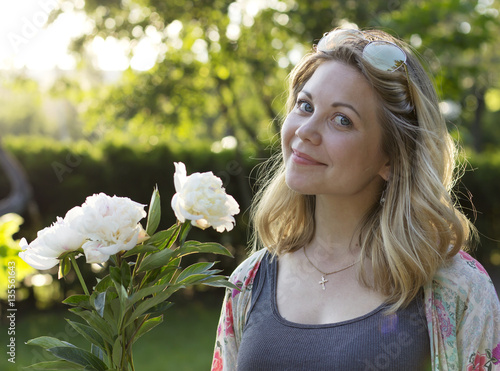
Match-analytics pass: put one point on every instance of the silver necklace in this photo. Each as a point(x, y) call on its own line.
point(323, 274)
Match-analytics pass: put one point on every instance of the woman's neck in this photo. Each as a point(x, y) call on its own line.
point(337, 226)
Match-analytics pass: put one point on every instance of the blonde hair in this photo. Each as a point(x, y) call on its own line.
point(419, 226)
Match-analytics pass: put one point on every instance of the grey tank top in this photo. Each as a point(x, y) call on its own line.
point(373, 341)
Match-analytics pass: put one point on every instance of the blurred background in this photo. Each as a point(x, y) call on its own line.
point(103, 96)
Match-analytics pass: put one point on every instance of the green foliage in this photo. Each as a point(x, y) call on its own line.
point(64, 174)
point(133, 300)
point(26, 109)
point(222, 66)
point(480, 183)
point(178, 334)
point(110, 167)
point(215, 81)
point(9, 250)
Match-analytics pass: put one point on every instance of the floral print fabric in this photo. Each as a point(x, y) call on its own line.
point(234, 312)
point(462, 310)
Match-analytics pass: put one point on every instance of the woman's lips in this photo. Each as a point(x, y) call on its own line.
point(303, 159)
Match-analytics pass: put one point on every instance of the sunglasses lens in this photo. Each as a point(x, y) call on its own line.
point(384, 55)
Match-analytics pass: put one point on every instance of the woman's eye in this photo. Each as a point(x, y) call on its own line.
point(342, 120)
point(305, 106)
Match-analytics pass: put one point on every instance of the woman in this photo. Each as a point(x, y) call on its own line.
point(363, 266)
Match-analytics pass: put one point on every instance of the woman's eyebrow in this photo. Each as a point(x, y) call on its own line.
point(335, 104)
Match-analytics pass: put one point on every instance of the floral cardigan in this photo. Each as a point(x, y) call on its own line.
point(461, 305)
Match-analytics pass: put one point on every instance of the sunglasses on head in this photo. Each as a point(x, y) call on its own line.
point(381, 54)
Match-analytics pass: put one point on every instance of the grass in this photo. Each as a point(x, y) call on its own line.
point(183, 342)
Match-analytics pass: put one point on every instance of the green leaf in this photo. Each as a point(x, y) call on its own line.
point(151, 302)
point(141, 249)
point(78, 356)
point(165, 238)
point(97, 323)
point(156, 260)
point(193, 279)
point(54, 365)
point(186, 227)
point(142, 293)
point(116, 275)
point(98, 352)
point(195, 247)
point(154, 213)
point(220, 281)
point(195, 269)
point(78, 301)
point(117, 351)
point(98, 300)
point(148, 326)
point(103, 284)
point(167, 272)
point(88, 333)
point(119, 275)
point(159, 309)
point(47, 342)
point(64, 267)
point(161, 275)
point(112, 311)
point(123, 296)
point(125, 273)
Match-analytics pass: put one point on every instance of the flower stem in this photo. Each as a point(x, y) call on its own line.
point(137, 264)
point(131, 360)
point(79, 274)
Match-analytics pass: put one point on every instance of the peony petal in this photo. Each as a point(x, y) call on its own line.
point(38, 262)
point(179, 176)
point(176, 207)
point(95, 256)
point(227, 225)
point(73, 214)
point(142, 236)
point(187, 215)
point(201, 223)
point(23, 244)
point(93, 253)
point(180, 211)
point(202, 199)
point(112, 249)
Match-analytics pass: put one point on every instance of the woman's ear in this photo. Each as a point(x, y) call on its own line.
point(385, 171)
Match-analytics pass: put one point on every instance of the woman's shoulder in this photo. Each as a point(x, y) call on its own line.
point(463, 275)
point(462, 266)
point(244, 274)
point(463, 313)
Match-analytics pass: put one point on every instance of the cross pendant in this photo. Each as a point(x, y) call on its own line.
point(323, 281)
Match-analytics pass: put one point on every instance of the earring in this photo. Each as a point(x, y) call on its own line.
point(382, 197)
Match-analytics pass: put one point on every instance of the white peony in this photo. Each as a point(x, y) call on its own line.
point(202, 199)
point(110, 225)
point(51, 242)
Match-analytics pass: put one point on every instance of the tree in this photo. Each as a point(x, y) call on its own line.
point(223, 64)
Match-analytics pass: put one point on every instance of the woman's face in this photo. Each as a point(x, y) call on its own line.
point(331, 139)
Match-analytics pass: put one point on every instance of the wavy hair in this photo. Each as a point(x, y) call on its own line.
point(419, 226)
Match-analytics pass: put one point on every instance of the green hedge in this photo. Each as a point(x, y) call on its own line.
point(63, 175)
point(481, 182)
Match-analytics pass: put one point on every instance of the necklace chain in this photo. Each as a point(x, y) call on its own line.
point(323, 274)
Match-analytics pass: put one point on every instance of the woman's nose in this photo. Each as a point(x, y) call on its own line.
point(308, 131)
